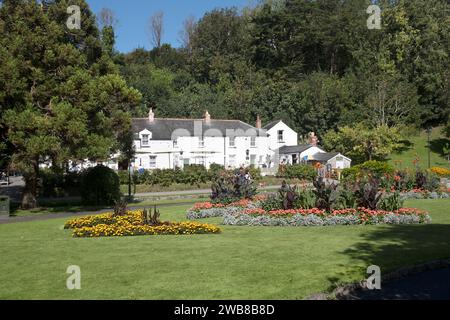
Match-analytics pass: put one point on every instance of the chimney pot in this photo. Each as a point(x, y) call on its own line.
point(258, 122)
point(313, 139)
point(151, 115)
point(207, 116)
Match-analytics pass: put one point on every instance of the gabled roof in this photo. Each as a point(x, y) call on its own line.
point(162, 128)
point(294, 149)
point(325, 156)
point(271, 124)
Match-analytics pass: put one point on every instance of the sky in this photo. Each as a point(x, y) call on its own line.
point(133, 16)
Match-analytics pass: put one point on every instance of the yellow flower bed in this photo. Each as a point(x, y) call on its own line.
point(108, 225)
point(443, 172)
point(133, 217)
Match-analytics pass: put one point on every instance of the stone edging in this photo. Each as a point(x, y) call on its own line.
point(345, 292)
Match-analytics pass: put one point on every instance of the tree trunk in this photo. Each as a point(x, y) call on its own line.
point(29, 198)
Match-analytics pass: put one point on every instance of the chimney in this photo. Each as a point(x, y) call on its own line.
point(313, 139)
point(258, 122)
point(207, 116)
point(151, 115)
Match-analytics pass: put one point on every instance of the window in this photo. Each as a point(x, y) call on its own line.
point(201, 142)
point(253, 142)
point(175, 143)
point(185, 162)
point(152, 164)
point(232, 142)
point(145, 140)
point(253, 159)
point(280, 136)
point(232, 160)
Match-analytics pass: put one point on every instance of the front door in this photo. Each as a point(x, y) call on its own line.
point(294, 159)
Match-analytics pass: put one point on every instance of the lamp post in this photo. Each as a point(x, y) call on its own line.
point(429, 147)
point(129, 181)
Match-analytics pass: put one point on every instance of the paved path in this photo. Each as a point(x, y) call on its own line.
point(428, 285)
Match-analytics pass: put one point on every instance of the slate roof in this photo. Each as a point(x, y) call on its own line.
point(294, 149)
point(325, 156)
point(162, 128)
point(271, 125)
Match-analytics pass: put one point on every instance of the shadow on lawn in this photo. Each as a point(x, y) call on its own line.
point(392, 247)
point(437, 145)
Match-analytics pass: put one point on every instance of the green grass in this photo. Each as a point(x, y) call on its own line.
point(240, 263)
point(52, 208)
point(419, 148)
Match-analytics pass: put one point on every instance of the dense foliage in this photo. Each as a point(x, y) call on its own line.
point(100, 186)
point(65, 95)
point(61, 97)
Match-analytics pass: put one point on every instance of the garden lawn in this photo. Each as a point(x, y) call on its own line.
point(419, 147)
point(241, 263)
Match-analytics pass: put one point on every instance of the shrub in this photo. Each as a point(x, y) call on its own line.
point(195, 174)
point(229, 187)
point(100, 186)
point(123, 176)
point(255, 173)
point(272, 203)
point(59, 184)
point(298, 171)
point(374, 168)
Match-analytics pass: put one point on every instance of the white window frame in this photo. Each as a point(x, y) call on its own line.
point(280, 136)
point(143, 143)
point(253, 142)
point(232, 142)
point(232, 160)
point(201, 142)
point(152, 164)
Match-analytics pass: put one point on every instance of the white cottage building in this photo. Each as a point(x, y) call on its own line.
point(163, 143)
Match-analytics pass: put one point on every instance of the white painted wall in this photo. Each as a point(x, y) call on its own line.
point(290, 136)
point(215, 150)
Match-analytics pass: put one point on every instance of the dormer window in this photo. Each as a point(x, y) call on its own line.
point(145, 136)
point(145, 140)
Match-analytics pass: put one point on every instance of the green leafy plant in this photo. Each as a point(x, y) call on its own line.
point(272, 202)
point(288, 195)
point(306, 199)
point(152, 219)
point(326, 195)
point(120, 208)
point(369, 194)
point(390, 201)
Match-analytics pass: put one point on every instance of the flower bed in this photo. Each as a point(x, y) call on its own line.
point(132, 224)
point(316, 217)
point(203, 210)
